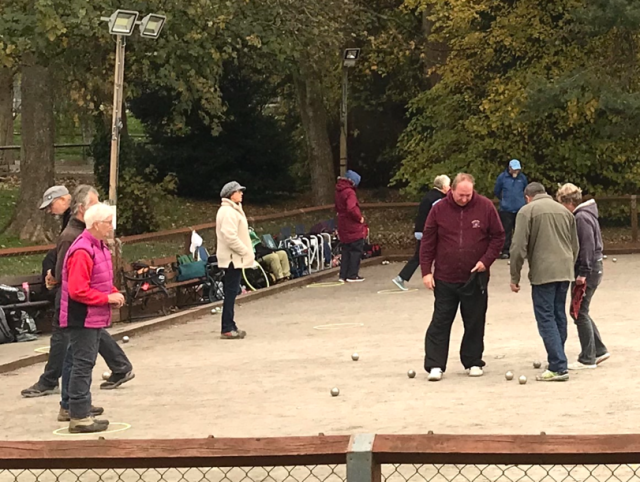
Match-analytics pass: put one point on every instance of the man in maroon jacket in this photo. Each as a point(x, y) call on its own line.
point(462, 238)
point(352, 230)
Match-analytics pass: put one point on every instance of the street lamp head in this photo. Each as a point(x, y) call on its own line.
point(151, 25)
point(350, 57)
point(122, 22)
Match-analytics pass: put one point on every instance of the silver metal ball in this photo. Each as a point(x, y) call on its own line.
point(522, 380)
point(106, 375)
point(509, 375)
point(125, 339)
point(614, 260)
point(355, 357)
point(537, 364)
point(604, 257)
point(411, 374)
point(335, 392)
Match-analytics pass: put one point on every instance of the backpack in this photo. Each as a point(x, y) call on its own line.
point(10, 295)
point(6, 335)
point(189, 269)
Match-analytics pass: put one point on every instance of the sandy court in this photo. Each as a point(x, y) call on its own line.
point(277, 381)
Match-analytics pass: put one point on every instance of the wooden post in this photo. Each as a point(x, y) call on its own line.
point(634, 218)
point(361, 465)
point(187, 243)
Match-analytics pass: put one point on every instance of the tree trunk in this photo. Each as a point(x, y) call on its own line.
point(314, 121)
point(6, 117)
point(37, 164)
point(435, 52)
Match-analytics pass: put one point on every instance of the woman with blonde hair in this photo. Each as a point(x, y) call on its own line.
point(588, 275)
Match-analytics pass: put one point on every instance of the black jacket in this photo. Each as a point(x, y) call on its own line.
point(425, 206)
point(589, 236)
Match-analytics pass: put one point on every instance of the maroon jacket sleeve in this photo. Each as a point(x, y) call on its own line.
point(352, 206)
point(496, 234)
point(79, 268)
point(429, 243)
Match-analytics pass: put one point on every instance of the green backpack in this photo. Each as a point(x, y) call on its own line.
point(189, 269)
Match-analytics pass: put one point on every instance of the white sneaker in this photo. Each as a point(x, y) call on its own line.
point(475, 371)
point(581, 366)
point(435, 375)
point(399, 282)
point(602, 358)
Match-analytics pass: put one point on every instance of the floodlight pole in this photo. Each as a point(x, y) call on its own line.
point(343, 121)
point(116, 124)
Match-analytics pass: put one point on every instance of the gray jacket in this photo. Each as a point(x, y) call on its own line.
point(546, 236)
point(590, 237)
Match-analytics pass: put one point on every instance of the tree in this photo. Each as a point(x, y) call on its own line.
point(6, 116)
point(551, 83)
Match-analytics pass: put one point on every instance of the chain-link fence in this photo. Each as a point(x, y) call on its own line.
point(510, 473)
point(312, 473)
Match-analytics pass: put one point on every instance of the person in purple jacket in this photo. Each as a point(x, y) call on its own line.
point(86, 299)
point(462, 238)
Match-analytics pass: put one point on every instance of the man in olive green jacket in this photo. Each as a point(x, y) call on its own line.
point(546, 236)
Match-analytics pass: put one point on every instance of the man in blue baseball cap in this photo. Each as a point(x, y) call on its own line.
point(509, 190)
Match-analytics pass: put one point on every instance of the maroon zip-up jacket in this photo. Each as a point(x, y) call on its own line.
point(455, 238)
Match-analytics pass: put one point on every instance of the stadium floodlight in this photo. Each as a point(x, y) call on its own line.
point(151, 25)
point(122, 22)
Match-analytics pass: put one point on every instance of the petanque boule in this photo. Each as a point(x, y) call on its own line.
point(615, 260)
point(106, 375)
point(335, 392)
point(522, 380)
point(509, 375)
point(537, 364)
point(125, 339)
point(411, 374)
point(604, 257)
point(355, 357)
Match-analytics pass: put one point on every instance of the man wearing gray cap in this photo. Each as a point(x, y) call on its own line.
point(57, 201)
point(234, 252)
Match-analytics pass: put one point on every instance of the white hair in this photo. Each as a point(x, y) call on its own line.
point(96, 213)
point(442, 181)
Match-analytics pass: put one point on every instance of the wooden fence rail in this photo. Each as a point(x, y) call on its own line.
point(318, 450)
point(186, 231)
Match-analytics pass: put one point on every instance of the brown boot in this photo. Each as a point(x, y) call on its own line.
point(63, 415)
point(87, 425)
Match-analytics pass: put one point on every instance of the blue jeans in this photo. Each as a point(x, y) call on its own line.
point(549, 306)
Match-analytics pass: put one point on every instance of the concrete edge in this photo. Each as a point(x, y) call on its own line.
point(125, 329)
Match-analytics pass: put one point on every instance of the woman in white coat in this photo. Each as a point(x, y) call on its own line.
point(234, 252)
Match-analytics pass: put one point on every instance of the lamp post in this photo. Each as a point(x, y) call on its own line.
point(348, 60)
point(122, 24)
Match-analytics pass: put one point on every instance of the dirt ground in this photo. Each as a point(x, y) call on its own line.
point(277, 381)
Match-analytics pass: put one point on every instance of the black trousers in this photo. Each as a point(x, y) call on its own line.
point(412, 265)
point(350, 259)
point(232, 279)
point(473, 308)
point(509, 224)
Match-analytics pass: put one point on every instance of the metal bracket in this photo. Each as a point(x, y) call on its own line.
point(360, 464)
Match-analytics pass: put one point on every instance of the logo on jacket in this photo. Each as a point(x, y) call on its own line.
point(475, 224)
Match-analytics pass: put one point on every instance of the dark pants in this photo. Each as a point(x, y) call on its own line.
point(57, 350)
point(232, 279)
point(473, 308)
point(549, 306)
point(590, 340)
point(85, 343)
point(113, 355)
point(350, 259)
point(412, 265)
point(509, 224)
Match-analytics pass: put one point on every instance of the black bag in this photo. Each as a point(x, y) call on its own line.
point(10, 295)
point(6, 335)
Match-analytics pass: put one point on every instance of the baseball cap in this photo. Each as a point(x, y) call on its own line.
point(229, 188)
point(52, 194)
point(515, 165)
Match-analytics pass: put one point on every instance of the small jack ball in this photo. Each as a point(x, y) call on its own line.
point(537, 364)
point(125, 339)
point(522, 380)
point(411, 374)
point(106, 375)
point(509, 375)
point(335, 392)
point(355, 357)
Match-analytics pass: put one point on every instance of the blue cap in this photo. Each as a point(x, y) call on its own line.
point(354, 177)
point(515, 165)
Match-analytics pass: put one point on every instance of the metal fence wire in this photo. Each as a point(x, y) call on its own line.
point(510, 473)
point(313, 473)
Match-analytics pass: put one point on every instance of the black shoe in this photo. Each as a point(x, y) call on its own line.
point(504, 256)
point(117, 379)
point(63, 415)
point(37, 390)
point(357, 279)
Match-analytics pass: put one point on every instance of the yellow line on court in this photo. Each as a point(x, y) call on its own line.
point(325, 285)
point(395, 292)
point(65, 431)
point(42, 349)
